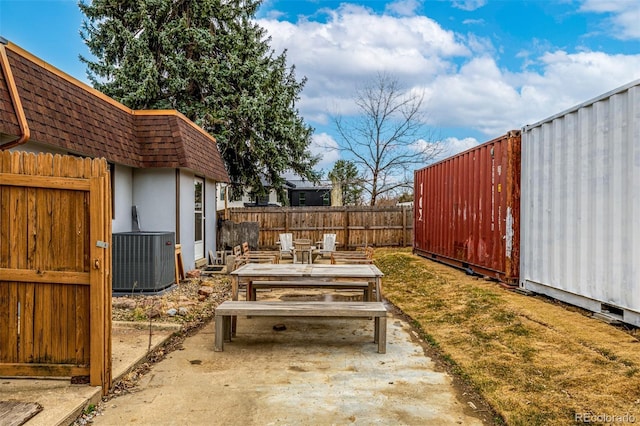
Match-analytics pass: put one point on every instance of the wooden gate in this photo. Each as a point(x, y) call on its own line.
point(55, 267)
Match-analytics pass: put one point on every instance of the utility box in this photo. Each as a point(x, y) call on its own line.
point(143, 262)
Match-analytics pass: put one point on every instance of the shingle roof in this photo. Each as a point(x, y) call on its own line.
point(303, 184)
point(66, 113)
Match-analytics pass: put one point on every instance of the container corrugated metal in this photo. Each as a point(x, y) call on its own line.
point(580, 222)
point(466, 212)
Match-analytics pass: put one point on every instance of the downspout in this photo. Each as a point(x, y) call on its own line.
point(15, 98)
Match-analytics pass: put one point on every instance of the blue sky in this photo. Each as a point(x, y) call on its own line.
point(485, 66)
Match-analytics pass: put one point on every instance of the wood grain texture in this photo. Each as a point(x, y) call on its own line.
point(54, 279)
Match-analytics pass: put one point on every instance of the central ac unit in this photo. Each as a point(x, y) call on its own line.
point(143, 262)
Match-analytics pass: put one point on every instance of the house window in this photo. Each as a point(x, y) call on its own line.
point(301, 200)
point(223, 189)
point(326, 199)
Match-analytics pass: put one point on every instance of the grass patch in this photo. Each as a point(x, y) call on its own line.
point(534, 361)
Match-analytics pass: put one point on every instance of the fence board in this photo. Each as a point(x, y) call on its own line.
point(354, 226)
point(53, 211)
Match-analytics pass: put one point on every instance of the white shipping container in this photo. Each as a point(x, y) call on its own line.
point(580, 205)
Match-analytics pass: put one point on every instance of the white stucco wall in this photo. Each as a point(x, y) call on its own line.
point(122, 199)
point(155, 195)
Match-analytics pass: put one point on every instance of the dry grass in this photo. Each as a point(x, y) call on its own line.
point(536, 362)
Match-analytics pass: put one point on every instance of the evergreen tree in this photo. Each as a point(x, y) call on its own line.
point(209, 60)
point(346, 174)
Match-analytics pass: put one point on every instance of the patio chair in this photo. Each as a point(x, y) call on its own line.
point(286, 244)
point(327, 245)
point(238, 259)
point(216, 263)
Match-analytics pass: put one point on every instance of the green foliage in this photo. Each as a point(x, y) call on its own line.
point(405, 197)
point(346, 174)
point(209, 60)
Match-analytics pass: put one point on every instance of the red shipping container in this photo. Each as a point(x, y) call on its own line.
point(467, 209)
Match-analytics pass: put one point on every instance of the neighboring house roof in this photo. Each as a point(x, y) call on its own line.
point(305, 185)
point(267, 183)
point(65, 113)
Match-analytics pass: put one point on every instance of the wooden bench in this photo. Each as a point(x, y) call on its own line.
point(351, 257)
point(228, 309)
point(256, 257)
point(351, 260)
point(365, 286)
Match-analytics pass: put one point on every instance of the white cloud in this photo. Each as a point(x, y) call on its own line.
point(473, 22)
point(326, 147)
point(484, 97)
point(570, 79)
point(469, 5)
point(624, 22)
point(464, 85)
point(403, 7)
point(453, 146)
point(477, 96)
point(355, 43)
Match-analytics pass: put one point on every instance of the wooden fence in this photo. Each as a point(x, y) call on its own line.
point(354, 226)
point(55, 263)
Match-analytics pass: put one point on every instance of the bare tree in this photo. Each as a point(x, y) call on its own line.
point(389, 139)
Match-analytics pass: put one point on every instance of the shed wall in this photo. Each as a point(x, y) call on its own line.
point(581, 204)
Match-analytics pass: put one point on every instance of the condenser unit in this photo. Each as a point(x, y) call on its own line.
point(143, 262)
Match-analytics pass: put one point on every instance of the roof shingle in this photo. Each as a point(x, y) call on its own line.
point(66, 113)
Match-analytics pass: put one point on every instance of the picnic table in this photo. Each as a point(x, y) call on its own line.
point(280, 275)
point(311, 273)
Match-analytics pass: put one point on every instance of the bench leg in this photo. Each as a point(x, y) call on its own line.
point(380, 336)
point(227, 328)
point(220, 333)
point(370, 297)
point(233, 325)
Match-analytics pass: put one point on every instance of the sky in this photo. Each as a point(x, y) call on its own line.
point(484, 66)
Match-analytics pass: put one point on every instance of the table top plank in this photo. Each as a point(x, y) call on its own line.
point(306, 270)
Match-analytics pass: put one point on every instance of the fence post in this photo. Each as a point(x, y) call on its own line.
point(287, 218)
point(347, 237)
point(404, 227)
